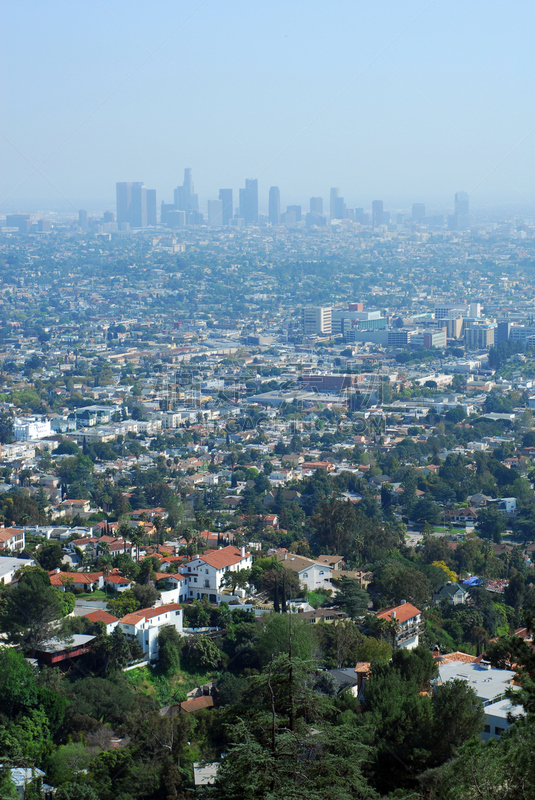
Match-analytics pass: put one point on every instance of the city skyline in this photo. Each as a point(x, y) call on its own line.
point(408, 106)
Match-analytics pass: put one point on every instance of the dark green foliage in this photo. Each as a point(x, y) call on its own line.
point(31, 607)
point(50, 556)
point(351, 598)
point(169, 647)
point(102, 699)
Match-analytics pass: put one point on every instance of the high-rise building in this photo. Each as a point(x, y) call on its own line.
point(152, 218)
point(462, 211)
point(339, 208)
point(215, 212)
point(335, 193)
point(82, 219)
point(225, 195)
point(377, 213)
point(185, 197)
point(124, 200)
point(316, 320)
point(479, 337)
point(138, 206)
point(316, 205)
point(108, 216)
point(274, 205)
point(418, 212)
point(249, 202)
point(132, 204)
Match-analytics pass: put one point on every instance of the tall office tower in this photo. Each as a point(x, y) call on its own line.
point(274, 205)
point(124, 200)
point(316, 319)
point(316, 205)
point(225, 195)
point(138, 206)
point(108, 216)
point(165, 210)
point(418, 212)
point(377, 213)
point(151, 207)
point(339, 211)
point(82, 219)
point(462, 211)
point(215, 212)
point(185, 197)
point(249, 202)
point(335, 194)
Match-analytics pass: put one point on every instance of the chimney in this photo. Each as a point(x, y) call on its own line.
point(393, 614)
point(285, 556)
point(243, 552)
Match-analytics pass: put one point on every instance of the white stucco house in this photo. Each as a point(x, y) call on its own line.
point(206, 572)
point(145, 625)
point(312, 574)
point(490, 685)
point(408, 619)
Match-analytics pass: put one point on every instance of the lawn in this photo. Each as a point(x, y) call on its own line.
point(98, 594)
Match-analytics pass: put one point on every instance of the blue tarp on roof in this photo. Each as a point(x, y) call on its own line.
point(473, 581)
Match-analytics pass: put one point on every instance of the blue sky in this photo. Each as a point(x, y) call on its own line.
point(404, 101)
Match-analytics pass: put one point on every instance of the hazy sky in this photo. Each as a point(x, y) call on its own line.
point(403, 101)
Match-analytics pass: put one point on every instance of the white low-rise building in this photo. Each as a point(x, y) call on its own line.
point(26, 428)
point(312, 574)
point(206, 572)
point(145, 625)
point(490, 685)
point(405, 621)
point(9, 566)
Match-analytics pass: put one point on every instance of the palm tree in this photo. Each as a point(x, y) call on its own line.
point(137, 539)
point(391, 627)
point(158, 524)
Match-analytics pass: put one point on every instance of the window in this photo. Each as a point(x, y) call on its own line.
point(498, 731)
point(305, 575)
point(195, 579)
point(486, 729)
point(206, 571)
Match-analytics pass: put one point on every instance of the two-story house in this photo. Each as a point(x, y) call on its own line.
point(145, 625)
point(206, 572)
point(312, 574)
point(12, 539)
point(453, 593)
point(405, 622)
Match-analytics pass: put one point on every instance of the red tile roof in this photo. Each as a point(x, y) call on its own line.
point(198, 703)
point(101, 616)
point(402, 613)
point(148, 613)
point(225, 557)
point(8, 533)
point(163, 576)
point(118, 579)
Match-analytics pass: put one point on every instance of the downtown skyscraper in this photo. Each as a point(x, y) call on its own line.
point(249, 202)
point(274, 205)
